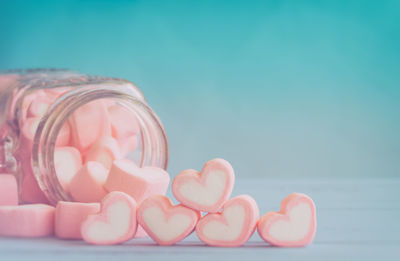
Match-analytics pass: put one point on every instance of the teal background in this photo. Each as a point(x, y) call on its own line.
point(281, 89)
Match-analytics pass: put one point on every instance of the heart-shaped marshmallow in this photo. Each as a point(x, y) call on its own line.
point(116, 222)
point(164, 223)
point(294, 225)
point(89, 123)
point(27, 100)
point(67, 162)
point(139, 183)
point(205, 191)
point(104, 151)
point(128, 144)
point(233, 226)
point(87, 184)
point(123, 122)
point(64, 134)
point(124, 127)
point(39, 106)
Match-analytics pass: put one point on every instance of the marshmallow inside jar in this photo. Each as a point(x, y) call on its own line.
point(89, 128)
point(101, 132)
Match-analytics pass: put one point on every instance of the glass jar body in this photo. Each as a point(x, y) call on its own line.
point(39, 105)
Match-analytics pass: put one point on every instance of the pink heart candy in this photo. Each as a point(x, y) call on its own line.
point(87, 183)
point(116, 222)
point(67, 162)
point(139, 183)
point(123, 122)
point(64, 135)
point(205, 191)
point(233, 226)
point(128, 144)
point(294, 225)
point(165, 223)
point(27, 101)
point(124, 127)
point(104, 151)
point(88, 124)
point(39, 106)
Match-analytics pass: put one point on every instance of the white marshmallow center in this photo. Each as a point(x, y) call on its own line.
point(206, 195)
point(164, 229)
point(235, 216)
point(295, 229)
point(42, 108)
point(119, 217)
point(66, 165)
point(105, 158)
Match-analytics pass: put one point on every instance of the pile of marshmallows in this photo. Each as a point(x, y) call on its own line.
point(93, 137)
point(229, 222)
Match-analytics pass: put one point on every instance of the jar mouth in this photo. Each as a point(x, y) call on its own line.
point(154, 144)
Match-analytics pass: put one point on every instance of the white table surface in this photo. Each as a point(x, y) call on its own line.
point(357, 220)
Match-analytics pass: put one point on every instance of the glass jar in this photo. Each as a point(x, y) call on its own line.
point(31, 131)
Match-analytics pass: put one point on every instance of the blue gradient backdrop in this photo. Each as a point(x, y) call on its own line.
point(279, 88)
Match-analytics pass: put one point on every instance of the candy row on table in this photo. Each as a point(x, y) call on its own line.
point(100, 131)
point(229, 222)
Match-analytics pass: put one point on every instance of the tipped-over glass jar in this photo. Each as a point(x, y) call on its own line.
point(46, 114)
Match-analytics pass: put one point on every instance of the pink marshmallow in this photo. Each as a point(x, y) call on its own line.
point(64, 134)
point(70, 216)
point(67, 162)
point(139, 183)
point(128, 144)
point(231, 227)
point(165, 223)
point(293, 226)
point(123, 122)
point(28, 100)
point(125, 127)
point(39, 106)
point(29, 128)
point(104, 151)
point(116, 222)
point(89, 123)
point(8, 190)
point(36, 220)
point(87, 184)
point(205, 191)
